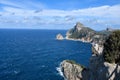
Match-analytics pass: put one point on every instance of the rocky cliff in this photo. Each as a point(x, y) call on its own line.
point(71, 70)
point(85, 34)
point(104, 63)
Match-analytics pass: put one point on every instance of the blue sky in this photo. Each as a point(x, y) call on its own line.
point(59, 14)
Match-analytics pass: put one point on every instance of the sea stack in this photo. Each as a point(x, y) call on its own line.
point(59, 37)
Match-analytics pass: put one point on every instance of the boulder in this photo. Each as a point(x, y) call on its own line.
point(59, 37)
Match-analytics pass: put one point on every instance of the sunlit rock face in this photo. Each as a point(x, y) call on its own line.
point(59, 37)
point(79, 26)
point(73, 71)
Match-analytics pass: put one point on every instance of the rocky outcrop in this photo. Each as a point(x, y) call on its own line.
point(59, 37)
point(85, 34)
point(97, 48)
point(99, 68)
point(96, 70)
point(72, 70)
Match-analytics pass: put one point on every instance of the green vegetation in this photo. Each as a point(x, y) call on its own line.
point(80, 34)
point(112, 48)
point(73, 62)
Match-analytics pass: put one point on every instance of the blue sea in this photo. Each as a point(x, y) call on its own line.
point(35, 54)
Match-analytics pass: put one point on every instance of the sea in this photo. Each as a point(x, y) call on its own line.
point(36, 54)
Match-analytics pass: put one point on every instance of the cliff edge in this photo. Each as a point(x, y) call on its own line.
point(71, 70)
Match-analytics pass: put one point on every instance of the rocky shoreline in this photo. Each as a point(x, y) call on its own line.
point(59, 37)
point(99, 69)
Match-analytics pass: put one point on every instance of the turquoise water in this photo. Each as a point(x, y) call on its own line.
point(35, 54)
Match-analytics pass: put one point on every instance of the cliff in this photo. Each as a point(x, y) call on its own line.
point(104, 62)
point(71, 70)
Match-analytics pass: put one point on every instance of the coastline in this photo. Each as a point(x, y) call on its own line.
point(59, 69)
point(77, 40)
point(73, 39)
point(99, 68)
point(98, 48)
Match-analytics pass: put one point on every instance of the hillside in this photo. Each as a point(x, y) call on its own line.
point(86, 34)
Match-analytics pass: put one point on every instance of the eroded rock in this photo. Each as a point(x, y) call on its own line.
point(59, 37)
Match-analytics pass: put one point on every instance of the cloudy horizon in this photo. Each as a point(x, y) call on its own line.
point(39, 14)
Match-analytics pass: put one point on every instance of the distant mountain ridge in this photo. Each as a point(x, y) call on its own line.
point(86, 34)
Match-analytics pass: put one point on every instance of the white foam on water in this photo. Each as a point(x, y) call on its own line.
point(16, 72)
point(59, 71)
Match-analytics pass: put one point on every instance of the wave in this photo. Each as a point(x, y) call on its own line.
point(59, 71)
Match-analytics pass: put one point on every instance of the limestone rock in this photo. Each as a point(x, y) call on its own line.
point(79, 26)
point(73, 71)
point(59, 37)
point(97, 49)
point(97, 70)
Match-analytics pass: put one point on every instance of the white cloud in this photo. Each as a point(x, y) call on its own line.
point(53, 16)
point(5, 2)
point(24, 5)
point(103, 11)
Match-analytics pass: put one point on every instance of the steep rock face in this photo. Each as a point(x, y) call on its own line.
point(78, 26)
point(80, 32)
point(100, 70)
point(97, 48)
point(59, 37)
point(105, 66)
point(72, 70)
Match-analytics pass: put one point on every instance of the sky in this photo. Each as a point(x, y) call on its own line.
point(59, 14)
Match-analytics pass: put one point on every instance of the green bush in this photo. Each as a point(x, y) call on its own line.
point(111, 52)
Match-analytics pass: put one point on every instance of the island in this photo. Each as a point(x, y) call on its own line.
point(59, 37)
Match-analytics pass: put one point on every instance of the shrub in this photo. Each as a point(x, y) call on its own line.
point(111, 52)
